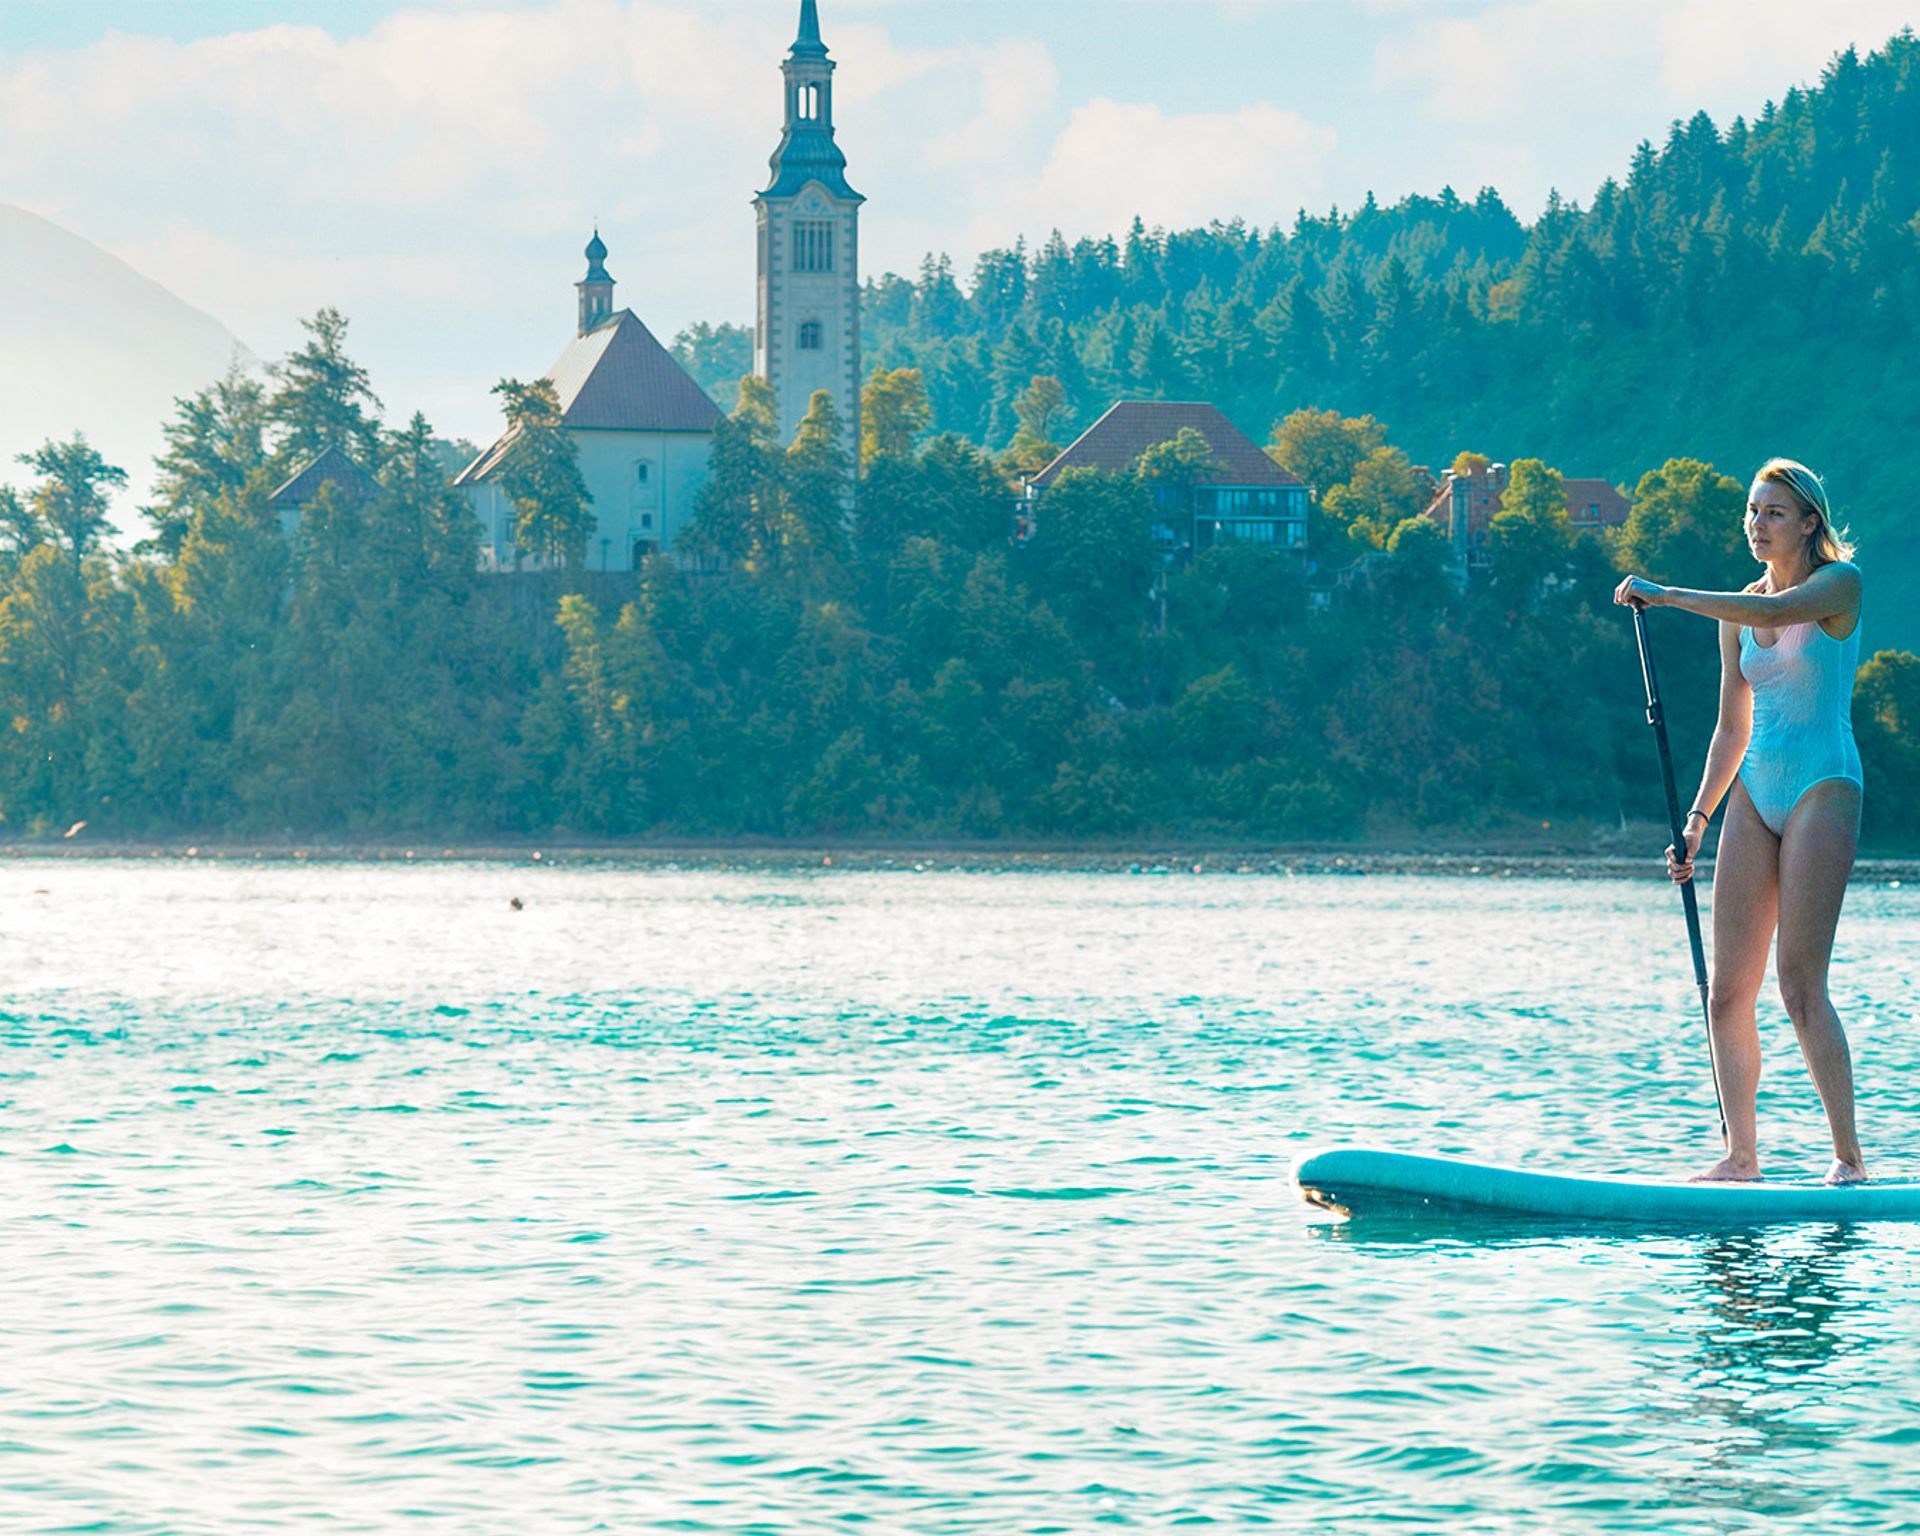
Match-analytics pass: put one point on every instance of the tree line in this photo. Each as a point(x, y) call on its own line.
point(1734, 294)
point(850, 641)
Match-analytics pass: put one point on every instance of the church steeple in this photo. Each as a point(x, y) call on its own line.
point(806, 334)
point(806, 151)
point(808, 41)
point(596, 288)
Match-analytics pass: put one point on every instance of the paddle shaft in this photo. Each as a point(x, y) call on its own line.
point(1657, 718)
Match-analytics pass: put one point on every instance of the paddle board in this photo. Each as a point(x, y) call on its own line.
point(1367, 1180)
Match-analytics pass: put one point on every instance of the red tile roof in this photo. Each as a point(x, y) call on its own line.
point(1115, 442)
point(617, 378)
point(1486, 487)
point(1593, 503)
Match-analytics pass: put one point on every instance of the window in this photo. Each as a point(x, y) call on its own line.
point(646, 519)
point(812, 245)
point(809, 335)
point(809, 102)
point(643, 472)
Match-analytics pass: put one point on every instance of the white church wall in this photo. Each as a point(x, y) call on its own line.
point(628, 511)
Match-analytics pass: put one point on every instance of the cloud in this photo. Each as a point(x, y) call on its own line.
point(1510, 61)
point(436, 175)
point(1114, 160)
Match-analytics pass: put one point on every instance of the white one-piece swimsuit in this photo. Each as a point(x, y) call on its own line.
point(1802, 716)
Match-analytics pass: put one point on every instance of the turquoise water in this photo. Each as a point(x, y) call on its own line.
point(350, 1198)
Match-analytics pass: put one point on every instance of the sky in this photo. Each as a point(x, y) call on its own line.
point(433, 167)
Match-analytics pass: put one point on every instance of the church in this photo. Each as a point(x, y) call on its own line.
point(641, 426)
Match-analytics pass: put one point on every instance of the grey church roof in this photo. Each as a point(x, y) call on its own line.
point(328, 467)
point(617, 378)
point(1115, 442)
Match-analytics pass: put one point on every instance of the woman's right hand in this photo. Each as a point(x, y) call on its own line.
point(1680, 870)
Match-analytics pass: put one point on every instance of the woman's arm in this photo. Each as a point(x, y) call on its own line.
point(1731, 733)
point(1831, 591)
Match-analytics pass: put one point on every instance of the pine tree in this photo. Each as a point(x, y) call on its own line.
point(323, 400)
point(540, 476)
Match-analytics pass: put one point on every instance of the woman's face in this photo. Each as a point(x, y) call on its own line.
point(1778, 527)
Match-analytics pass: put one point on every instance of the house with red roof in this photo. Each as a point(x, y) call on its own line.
point(641, 426)
point(1242, 495)
point(1465, 504)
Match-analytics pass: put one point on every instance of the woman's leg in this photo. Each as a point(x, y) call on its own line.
point(1745, 892)
point(1816, 856)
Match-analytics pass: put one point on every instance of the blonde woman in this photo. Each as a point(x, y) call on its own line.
point(1783, 746)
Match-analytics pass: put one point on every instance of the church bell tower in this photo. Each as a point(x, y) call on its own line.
point(807, 313)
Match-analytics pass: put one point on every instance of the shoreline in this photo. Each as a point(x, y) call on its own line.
point(1170, 857)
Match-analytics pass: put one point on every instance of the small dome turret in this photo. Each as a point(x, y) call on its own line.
point(596, 288)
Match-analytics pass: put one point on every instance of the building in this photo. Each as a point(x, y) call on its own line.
point(331, 471)
point(641, 427)
point(1465, 505)
point(806, 333)
point(1244, 495)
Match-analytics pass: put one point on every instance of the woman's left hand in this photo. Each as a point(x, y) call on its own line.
point(1637, 589)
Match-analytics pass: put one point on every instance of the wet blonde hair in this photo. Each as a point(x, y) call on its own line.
point(1828, 543)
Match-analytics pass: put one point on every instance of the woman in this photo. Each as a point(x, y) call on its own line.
point(1789, 645)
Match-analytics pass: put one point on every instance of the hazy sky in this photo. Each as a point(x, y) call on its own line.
point(434, 167)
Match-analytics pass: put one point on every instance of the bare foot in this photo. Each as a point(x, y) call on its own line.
point(1729, 1170)
point(1844, 1172)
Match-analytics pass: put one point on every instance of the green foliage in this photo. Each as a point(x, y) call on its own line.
point(894, 414)
point(70, 504)
point(1886, 720)
point(1324, 448)
point(1529, 537)
point(1380, 494)
point(1687, 528)
point(323, 399)
point(540, 476)
point(1596, 336)
point(876, 656)
point(716, 355)
point(1039, 408)
point(214, 444)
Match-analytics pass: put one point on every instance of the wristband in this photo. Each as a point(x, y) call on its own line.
point(1696, 811)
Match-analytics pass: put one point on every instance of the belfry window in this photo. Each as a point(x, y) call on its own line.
point(812, 245)
point(809, 340)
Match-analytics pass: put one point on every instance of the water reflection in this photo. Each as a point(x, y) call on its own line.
point(1739, 1402)
point(1752, 1400)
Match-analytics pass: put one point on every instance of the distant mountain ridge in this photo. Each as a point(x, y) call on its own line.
point(89, 344)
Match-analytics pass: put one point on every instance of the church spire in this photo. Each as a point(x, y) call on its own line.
point(596, 288)
point(806, 151)
point(808, 42)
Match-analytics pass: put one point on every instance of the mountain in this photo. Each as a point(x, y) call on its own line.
point(90, 345)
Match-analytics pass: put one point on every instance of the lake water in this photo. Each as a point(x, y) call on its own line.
point(772, 1200)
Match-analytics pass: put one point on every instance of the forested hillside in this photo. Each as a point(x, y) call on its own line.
point(916, 670)
point(1735, 293)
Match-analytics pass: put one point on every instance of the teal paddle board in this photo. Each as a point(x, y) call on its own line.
point(1360, 1181)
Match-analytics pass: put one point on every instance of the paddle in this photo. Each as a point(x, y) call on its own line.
point(1656, 717)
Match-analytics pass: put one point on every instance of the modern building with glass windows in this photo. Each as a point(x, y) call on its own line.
point(1243, 494)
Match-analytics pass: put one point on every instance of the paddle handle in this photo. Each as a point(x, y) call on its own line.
point(1657, 718)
